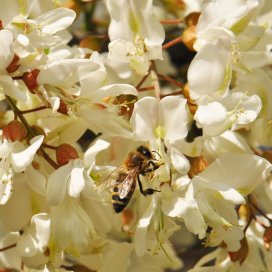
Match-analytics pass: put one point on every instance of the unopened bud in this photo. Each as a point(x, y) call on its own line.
point(191, 104)
point(65, 153)
point(198, 165)
point(63, 108)
point(13, 66)
point(240, 255)
point(189, 37)
point(192, 19)
point(91, 43)
point(30, 79)
point(14, 131)
point(267, 238)
point(244, 212)
point(1, 25)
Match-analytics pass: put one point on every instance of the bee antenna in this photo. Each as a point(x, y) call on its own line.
point(156, 153)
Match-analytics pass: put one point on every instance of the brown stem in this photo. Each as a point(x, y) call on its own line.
point(33, 110)
point(49, 160)
point(171, 43)
point(174, 93)
point(171, 80)
point(49, 146)
point(259, 210)
point(18, 113)
point(8, 247)
point(146, 88)
point(171, 21)
point(143, 80)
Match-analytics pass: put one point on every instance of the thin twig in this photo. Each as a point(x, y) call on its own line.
point(171, 43)
point(8, 247)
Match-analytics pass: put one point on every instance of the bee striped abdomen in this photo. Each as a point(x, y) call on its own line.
point(120, 203)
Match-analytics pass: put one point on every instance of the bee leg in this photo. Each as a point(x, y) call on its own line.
point(148, 169)
point(148, 191)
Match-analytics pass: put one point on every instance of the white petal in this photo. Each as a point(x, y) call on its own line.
point(35, 180)
point(6, 188)
point(56, 20)
point(174, 118)
point(57, 185)
point(26, 245)
point(13, 8)
point(212, 118)
point(42, 222)
point(114, 90)
point(76, 182)
point(142, 228)
point(145, 118)
point(62, 73)
point(254, 170)
point(210, 72)
point(90, 154)
point(179, 161)
point(22, 159)
point(10, 88)
point(6, 48)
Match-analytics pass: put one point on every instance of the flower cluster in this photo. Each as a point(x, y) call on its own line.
point(115, 155)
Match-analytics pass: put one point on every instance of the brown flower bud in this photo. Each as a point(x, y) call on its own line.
point(63, 107)
point(65, 153)
point(267, 238)
point(192, 19)
point(198, 165)
point(240, 255)
point(1, 25)
point(14, 131)
point(30, 79)
point(13, 66)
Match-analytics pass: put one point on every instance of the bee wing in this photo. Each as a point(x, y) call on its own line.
point(110, 180)
point(124, 187)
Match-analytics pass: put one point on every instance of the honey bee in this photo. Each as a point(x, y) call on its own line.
point(124, 178)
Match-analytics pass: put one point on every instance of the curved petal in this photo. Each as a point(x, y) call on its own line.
point(173, 116)
point(76, 182)
point(22, 159)
point(210, 70)
point(145, 118)
point(56, 20)
point(89, 156)
point(57, 185)
point(6, 48)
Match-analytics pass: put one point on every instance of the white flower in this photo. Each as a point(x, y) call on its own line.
point(233, 111)
point(136, 35)
point(15, 158)
point(69, 180)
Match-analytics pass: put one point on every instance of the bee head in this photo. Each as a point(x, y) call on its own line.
point(145, 151)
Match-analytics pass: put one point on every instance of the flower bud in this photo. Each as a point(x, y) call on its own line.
point(14, 131)
point(267, 238)
point(13, 66)
point(198, 165)
point(30, 79)
point(1, 25)
point(241, 254)
point(63, 107)
point(65, 153)
point(192, 19)
point(189, 37)
point(91, 43)
point(191, 104)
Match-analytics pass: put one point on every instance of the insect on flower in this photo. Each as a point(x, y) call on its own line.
point(123, 178)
